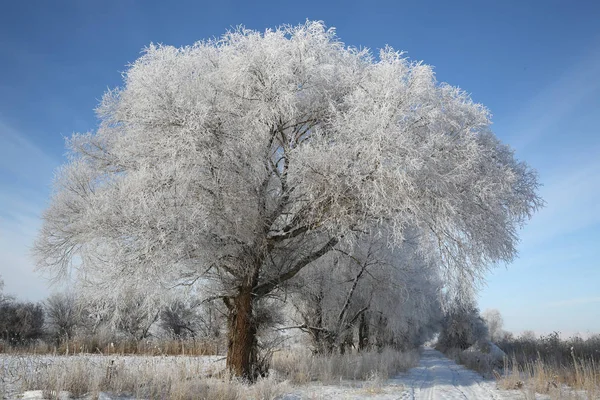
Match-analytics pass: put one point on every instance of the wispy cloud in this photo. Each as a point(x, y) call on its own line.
point(22, 161)
point(575, 302)
point(558, 100)
point(25, 175)
point(16, 265)
point(571, 204)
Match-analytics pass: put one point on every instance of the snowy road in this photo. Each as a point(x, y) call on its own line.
point(438, 377)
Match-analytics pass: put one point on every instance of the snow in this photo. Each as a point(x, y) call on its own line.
point(488, 348)
point(436, 377)
point(15, 368)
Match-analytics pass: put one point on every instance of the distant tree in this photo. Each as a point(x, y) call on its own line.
point(21, 322)
point(462, 327)
point(243, 160)
point(179, 320)
point(133, 317)
point(528, 336)
point(493, 320)
point(63, 314)
point(388, 296)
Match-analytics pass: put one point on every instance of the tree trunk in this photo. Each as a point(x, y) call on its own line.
point(347, 342)
point(363, 333)
point(322, 339)
point(381, 335)
point(242, 341)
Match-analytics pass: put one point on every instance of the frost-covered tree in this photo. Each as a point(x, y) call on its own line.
point(63, 314)
point(20, 322)
point(133, 316)
point(406, 309)
point(462, 327)
point(128, 314)
point(494, 321)
point(235, 163)
point(183, 318)
point(179, 320)
point(386, 295)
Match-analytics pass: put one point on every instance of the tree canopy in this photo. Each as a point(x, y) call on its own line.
point(234, 163)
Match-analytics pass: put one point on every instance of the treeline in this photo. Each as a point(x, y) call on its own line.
point(551, 349)
point(64, 323)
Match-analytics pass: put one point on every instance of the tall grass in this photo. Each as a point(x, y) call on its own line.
point(483, 363)
point(563, 369)
point(136, 377)
point(86, 376)
point(579, 380)
point(302, 366)
point(551, 349)
point(110, 346)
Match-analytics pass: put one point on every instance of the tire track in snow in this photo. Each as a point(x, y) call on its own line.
point(439, 378)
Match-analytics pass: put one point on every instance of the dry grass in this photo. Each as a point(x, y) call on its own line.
point(561, 368)
point(485, 364)
point(301, 366)
point(136, 377)
point(108, 346)
point(579, 380)
point(165, 377)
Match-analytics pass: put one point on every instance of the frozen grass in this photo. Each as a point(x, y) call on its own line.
point(561, 368)
point(110, 346)
point(579, 380)
point(483, 363)
point(301, 366)
point(87, 376)
point(129, 377)
point(552, 349)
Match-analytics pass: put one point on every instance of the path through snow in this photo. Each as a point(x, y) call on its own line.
point(438, 377)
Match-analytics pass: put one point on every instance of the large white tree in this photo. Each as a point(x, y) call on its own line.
point(240, 161)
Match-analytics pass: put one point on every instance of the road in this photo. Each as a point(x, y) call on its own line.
point(438, 377)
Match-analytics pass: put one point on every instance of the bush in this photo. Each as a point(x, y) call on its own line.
point(546, 363)
point(462, 327)
point(20, 323)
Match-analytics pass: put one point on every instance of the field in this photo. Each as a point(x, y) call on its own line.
point(546, 366)
point(186, 377)
point(294, 375)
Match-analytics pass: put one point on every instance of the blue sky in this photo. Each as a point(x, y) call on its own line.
point(535, 64)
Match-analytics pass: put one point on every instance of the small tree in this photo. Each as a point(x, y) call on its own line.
point(2, 296)
point(134, 318)
point(493, 320)
point(240, 161)
point(62, 315)
point(21, 322)
point(389, 296)
point(179, 320)
point(462, 327)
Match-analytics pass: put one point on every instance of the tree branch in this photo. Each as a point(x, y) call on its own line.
point(290, 234)
point(265, 288)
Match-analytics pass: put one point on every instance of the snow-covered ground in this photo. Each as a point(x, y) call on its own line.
point(436, 377)
point(17, 372)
